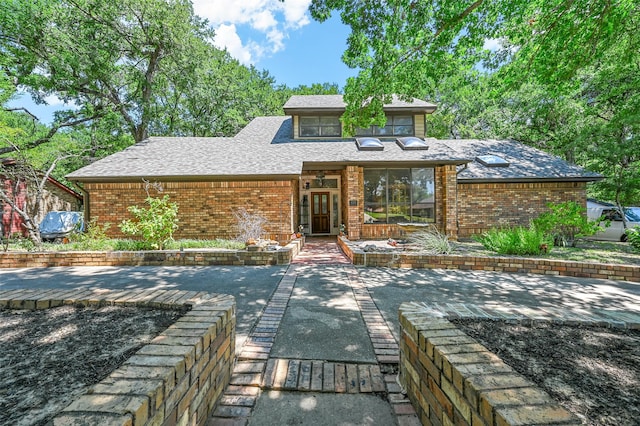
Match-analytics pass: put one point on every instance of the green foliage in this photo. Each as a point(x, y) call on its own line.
point(564, 223)
point(518, 241)
point(154, 224)
point(94, 238)
point(633, 236)
point(431, 241)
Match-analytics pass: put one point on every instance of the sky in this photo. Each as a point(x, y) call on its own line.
point(280, 37)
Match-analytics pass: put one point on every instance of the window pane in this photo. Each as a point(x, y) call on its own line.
point(402, 120)
point(330, 131)
point(375, 196)
point(399, 187)
point(309, 131)
point(423, 195)
point(329, 121)
point(403, 130)
point(309, 121)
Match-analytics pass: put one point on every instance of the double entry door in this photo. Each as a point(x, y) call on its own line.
point(320, 213)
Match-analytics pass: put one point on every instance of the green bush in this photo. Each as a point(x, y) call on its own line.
point(93, 238)
point(154, 224)
point(519, 241)
point(565, 223)
point(633, 236)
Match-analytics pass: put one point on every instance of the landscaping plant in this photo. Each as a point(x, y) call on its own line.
point(516, 241)
point(154, 224)
point(431, 241)
point(565, 223)
point(250, 226)
point(633, 236)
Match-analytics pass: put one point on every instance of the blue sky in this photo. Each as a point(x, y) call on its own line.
point(280, 37)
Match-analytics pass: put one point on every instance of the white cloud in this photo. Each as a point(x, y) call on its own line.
point(492, 44)
point(269, 21)
point(227, 38)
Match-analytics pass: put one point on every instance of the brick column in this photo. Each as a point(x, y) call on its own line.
point(353, 201)
point(449, 201)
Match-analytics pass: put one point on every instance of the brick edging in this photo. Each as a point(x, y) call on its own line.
point(178, 377)
point(189, 257)
point(451, 378)
point(496, 264)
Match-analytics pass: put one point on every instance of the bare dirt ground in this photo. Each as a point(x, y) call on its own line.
point(50, 357)
point(593, 372)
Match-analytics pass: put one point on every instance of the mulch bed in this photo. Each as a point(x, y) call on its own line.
point(593, 372)
point(50, 357)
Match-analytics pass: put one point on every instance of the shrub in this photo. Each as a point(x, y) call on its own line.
point(431, 241)
point(93, 238)
point(633, 236)
point(250, 226)
point(154, 224)
point(565, 223)
point(518, 241)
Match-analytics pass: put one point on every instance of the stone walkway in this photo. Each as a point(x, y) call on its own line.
point(257, 371)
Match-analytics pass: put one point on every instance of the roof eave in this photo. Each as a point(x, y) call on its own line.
point(532, 179)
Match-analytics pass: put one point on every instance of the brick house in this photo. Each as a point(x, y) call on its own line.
point(55, 197)
point(299, 170)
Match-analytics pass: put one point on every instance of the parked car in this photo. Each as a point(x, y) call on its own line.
point(58, 225)
point(610, 214)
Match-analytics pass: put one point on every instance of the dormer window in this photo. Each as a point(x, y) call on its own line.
point(397, 125)
point(320, 126)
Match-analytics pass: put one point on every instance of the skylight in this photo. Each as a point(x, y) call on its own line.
point(412, 143)
point(369, 144)
point(492, 161)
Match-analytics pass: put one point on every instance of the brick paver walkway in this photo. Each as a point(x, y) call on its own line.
point(256, 371)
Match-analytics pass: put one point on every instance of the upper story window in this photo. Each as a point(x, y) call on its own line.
point(397, 125)
point(320, 126)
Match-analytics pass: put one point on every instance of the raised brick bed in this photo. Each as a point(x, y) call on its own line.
point(452, 379)
point(284, 256)
point(176, 379)
point(498, 264)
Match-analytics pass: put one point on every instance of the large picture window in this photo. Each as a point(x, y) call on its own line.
point(320, 126)
point(399, 195)
point(397, 125)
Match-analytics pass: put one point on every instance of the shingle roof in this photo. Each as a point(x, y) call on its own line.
point(264, 147)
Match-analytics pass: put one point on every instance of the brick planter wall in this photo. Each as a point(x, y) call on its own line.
point(498, 264)
point(452, 379)
point(176, 379)
point(283, 256)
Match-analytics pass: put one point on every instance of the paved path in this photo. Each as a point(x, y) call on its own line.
point(317, 341)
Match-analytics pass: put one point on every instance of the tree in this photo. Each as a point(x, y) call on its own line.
point(102, 55)
point(407, 46)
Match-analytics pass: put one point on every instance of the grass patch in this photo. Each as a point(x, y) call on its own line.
point(128, 245)
point(585, 251)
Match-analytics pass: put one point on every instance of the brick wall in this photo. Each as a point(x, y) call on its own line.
point(482, 206)
point(452, 379)
point(176, 379)
point(498, 264)
point(189, 257)
point(205, 208)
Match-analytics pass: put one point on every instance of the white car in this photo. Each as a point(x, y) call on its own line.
point(616, 230)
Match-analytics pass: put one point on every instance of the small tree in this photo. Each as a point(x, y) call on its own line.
point(154, 224)
point(565, 223)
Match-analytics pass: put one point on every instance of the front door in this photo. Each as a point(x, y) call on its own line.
point(320, 223)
